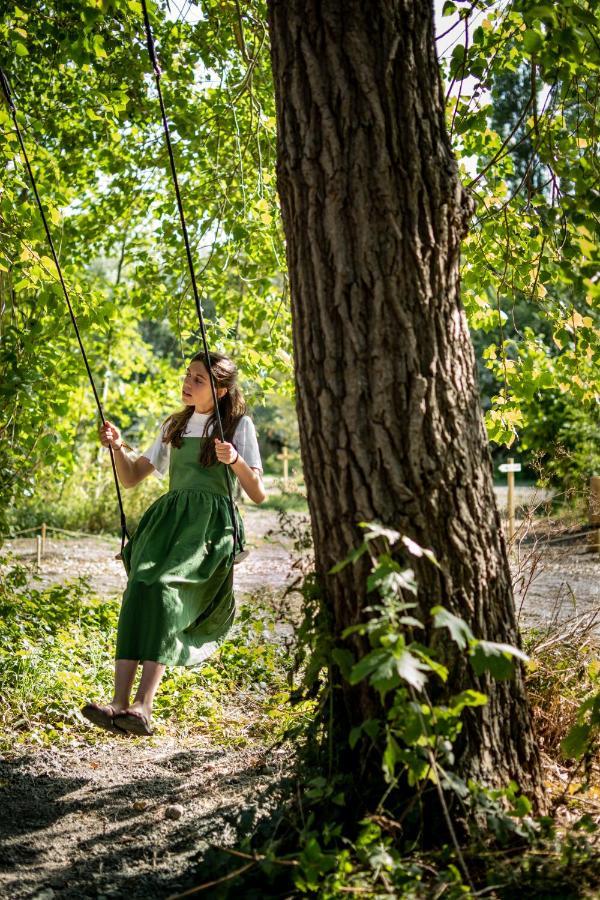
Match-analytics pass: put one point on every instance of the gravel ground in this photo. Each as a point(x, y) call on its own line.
point(129, 819)
point(557, 585)
point(65, 557)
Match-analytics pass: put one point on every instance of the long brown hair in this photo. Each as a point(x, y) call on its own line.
point(232, 407)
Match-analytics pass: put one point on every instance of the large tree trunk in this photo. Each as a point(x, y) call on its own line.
point(387, 398)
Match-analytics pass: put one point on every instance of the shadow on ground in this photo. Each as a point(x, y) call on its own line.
point(107, 832)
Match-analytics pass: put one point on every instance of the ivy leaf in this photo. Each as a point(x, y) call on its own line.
point(467, 698)
point(460, 632)
point(390, 578)
point(344, 658)
point(521, 806)
point(410, 621)
point(498, 659)
point(377, 661)
point(392, 754)
point(376, 530)
point(456, 784)
point(352, 557)
point(411, 669)
point(370, 727)
point(440, 670)
point(575, 744)
point(385, 668)
point(419, 551)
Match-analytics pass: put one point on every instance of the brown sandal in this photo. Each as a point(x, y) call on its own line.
point(101, 718)
point(134, 722)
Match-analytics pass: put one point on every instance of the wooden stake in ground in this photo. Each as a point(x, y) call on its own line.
point(594, 513)
point(285, 456)
point(510, 468)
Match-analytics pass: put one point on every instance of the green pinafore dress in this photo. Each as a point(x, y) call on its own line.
point(179, 602)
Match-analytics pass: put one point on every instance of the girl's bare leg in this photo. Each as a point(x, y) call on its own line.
point(125, 670)
point(152, 672)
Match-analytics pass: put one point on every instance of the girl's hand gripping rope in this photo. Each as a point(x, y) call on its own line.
point(110, 435)
point(226, 452)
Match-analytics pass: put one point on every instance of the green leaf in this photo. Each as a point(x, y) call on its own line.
point(411, 669)
point(390, 578)
point(498, 659)
point(370, 727)
point(456, 784)
point(521, 806)
point(99, 47)
point(467, 698)
point(575, 744)
point(352, 557)
point(354, 736)
point(410, 621)
point(21, 49)
point(344, 659)
point(376, 529)
point(532, 41)
point(386, 667)
point(391, 756)
point(418, 551)
point(460, 632)
point(378, 661)
point(433, 665)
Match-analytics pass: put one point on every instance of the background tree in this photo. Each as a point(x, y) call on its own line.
point(531, 260)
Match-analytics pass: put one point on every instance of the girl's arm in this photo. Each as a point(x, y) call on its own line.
point(130, 471)
point(249, 478)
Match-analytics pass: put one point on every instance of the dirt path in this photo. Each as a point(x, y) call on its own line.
point(267, 565)
point(134, 817)
point(128, 819)
point(557, 586)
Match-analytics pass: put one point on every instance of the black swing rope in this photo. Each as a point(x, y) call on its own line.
point(13, 112)
point(4, 83)
point(188, 251)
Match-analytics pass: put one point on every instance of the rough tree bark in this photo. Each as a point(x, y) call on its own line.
point(387, 398)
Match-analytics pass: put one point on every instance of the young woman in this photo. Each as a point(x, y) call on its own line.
point(179, 602)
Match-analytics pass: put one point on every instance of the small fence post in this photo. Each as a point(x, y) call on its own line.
point(285, 457)
point(38, 541)
point(43, 538)
point(594, 513)
point(511, 500)
point(510, 468)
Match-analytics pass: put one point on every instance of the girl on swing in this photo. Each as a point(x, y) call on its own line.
point(179, 601)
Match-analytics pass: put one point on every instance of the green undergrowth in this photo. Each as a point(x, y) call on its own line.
point(84, 503)
point(282, 497)
point(89, 505)
point(439, 835)
point(56, 653)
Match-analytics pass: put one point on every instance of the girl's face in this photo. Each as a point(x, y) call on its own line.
point(196, 389)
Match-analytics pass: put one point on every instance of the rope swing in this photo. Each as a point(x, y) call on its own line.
point(238, 554)
point(13, 112)
point(190, 261)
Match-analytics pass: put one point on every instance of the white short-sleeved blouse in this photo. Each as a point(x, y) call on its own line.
point(244, 440)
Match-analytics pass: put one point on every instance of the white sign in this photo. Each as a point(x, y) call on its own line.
point(510, 467)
